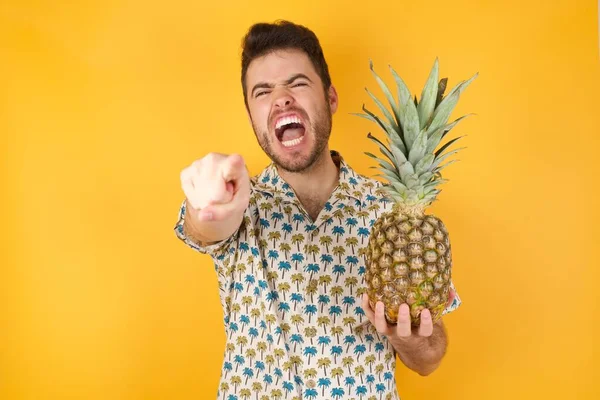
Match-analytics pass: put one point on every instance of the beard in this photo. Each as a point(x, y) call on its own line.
point(319, 128)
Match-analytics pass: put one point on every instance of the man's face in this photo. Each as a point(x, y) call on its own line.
point(288, 108)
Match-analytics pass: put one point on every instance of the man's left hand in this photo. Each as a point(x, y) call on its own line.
point(402, 332)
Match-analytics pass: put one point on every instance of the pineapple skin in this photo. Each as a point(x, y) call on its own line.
point(409, 260)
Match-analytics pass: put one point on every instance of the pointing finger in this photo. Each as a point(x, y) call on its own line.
point(233, 168)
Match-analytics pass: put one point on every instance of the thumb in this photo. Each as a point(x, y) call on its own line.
point(217, 212)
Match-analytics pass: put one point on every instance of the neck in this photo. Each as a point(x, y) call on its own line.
point(314, 185)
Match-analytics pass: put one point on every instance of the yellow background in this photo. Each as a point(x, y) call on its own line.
point(102, 103)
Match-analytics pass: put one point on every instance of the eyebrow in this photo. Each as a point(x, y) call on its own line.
point(264, 85)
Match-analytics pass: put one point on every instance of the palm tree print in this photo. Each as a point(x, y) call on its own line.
point(290, 289)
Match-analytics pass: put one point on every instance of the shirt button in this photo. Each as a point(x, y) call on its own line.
point(311, 384)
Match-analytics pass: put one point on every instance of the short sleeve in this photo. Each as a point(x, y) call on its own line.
point(215, 249)
point(455, 303)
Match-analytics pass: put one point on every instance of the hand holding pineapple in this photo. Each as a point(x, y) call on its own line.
point(403, 328)
point(421, 348)
point(217, 190)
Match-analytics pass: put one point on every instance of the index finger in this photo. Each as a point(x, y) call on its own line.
point(233, 168)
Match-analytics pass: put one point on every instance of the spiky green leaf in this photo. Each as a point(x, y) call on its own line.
point(411, 181)
point(399, 156)
point(442, 157)
point(396, 136)
point(431, 185)
point(428, 96)
point(392, 176)
point(462, 85)
point(391, 119)
point(417, 152)
point(425, 178)
point(436, 137)
point(387, 93)
point(405, 169)
point(383, 125)
point(383, 163)
point(411, 123)
point(441, 89)
point(444, 147)
point(441, 167)
point(403, 92)
point(412, 198)
point(442, 113)
point(431, 197)
point(382, 146)
point(400, 188)
point(393, 194)
point(445, 108)
point(404, 96)
point(424, 164)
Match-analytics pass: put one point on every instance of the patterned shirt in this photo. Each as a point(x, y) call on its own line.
point(291, 288)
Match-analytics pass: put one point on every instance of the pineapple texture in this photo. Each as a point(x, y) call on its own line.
point(409, 261)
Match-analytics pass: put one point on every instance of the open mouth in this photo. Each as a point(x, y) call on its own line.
point(290, 131)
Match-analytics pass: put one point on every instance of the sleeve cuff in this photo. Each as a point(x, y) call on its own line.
point(455, 303)
point(212, 249)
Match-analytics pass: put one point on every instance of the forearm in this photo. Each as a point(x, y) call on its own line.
point(206, 232)
point(423, 354)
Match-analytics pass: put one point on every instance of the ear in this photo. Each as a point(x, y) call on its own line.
point(333, 99)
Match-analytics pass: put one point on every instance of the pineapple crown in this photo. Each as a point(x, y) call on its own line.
point(414, 129)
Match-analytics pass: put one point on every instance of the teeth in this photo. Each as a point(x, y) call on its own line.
point(294, 142)
point(287, 120)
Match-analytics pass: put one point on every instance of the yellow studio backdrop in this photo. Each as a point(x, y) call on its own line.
point(102, 103)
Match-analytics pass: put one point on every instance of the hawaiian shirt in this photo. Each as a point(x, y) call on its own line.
point(291, 288)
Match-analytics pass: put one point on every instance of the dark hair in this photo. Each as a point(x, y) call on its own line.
point(264, 38)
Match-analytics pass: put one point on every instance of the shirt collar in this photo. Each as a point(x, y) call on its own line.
point(350, 182)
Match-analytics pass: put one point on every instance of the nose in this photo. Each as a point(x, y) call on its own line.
point(283, 99)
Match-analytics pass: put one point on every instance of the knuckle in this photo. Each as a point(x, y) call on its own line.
point(183, 175)
point(214, 157)
point(197, 166)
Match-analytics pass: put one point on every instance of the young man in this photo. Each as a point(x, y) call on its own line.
point(286, 243)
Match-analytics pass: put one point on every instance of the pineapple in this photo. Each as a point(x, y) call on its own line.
point(408, 258)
